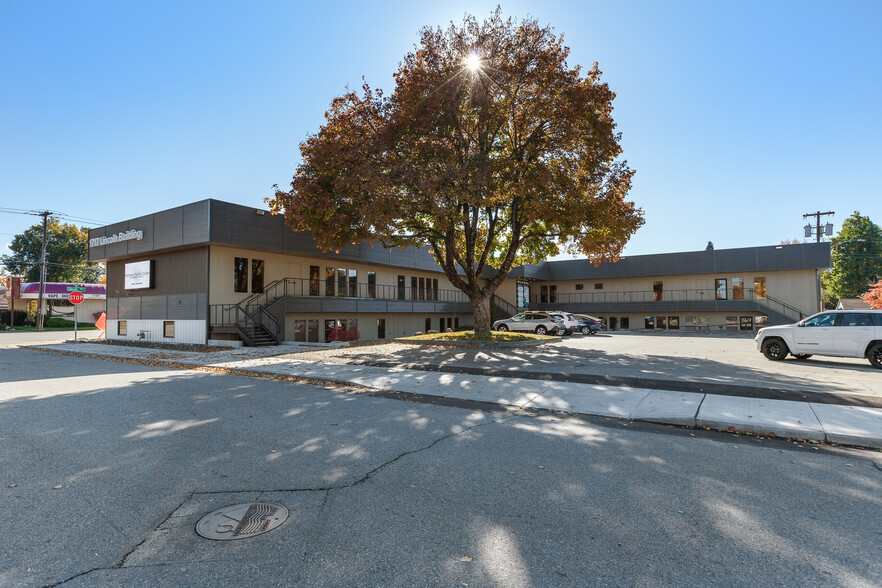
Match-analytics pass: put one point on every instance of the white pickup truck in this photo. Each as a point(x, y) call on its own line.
point(840, 333)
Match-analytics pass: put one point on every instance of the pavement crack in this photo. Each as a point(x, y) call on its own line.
point(122, 562)
point(415, 451)
point(75, 576)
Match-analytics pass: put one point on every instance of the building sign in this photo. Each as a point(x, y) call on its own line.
point(135, 234)
point(138, 275)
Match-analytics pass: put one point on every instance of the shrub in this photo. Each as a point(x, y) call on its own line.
point(18, 318)
point(341, 334)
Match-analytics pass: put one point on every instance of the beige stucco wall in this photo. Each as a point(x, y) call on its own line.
point(797, 287)
point(278, 266)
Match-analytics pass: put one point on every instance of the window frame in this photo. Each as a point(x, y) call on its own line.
point(240, 275)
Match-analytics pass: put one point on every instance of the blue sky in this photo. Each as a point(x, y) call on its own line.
point(738, 116)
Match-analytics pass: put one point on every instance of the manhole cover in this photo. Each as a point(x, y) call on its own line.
point(241, 521)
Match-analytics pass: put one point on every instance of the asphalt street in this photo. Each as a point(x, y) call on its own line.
point(722, 363)
point(105, 468)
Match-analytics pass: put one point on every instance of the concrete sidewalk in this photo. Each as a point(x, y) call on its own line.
point(848, 425)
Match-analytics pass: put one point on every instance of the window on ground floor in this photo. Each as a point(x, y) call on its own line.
point(122, 328)
point(746, 323)
point(428, 325)
point(625, 323)
point(761, 321)
point(673, 322)
point(648, 322)
point(306, 330)
point(731, 323)
point(661, 322)
point(381, 328)
point(168, 328)
point(455, 323)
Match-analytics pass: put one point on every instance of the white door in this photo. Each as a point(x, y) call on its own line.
point(852, 333)
point(815, 334)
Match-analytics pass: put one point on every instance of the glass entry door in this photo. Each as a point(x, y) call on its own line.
point(523, 294)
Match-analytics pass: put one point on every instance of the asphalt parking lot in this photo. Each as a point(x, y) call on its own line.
point(717, 363)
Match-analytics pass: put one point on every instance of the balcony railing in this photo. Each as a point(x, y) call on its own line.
point(650, 296)
point(226, 314)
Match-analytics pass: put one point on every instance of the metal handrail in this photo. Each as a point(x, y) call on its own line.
point(325, 288)
point(679, 295)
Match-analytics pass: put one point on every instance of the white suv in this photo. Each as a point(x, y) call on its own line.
point(840, 333)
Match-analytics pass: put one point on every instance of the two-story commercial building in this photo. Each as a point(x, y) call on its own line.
point(212, 270)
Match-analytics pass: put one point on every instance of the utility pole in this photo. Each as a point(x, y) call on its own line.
point(817, 227)
point(45, 214)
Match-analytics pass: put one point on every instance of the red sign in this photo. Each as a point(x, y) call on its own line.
point(75, 297)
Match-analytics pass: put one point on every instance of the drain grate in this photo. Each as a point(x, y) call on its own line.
point(241, 521)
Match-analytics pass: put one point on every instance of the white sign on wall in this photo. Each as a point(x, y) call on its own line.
point(138, 275)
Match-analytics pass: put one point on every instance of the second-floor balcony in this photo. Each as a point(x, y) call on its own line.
point(290, 295)
point(682, 300)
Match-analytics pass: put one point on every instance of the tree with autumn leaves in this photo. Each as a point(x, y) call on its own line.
point(874, 296)
point(491, 150)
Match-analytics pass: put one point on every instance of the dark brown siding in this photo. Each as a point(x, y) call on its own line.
point(180, 287)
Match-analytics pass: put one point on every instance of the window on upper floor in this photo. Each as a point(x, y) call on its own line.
point(313, 281)
point(240, 274)
point(737, 288)
point(759, 287)
point(329, 281)
point(721, 289)
point(256, 276)
point(658, 293)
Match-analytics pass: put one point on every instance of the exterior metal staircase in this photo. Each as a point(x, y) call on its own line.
point(501, 309)
point(259, 318)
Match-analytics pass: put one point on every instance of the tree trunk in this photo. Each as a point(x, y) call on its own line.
point(481, 310)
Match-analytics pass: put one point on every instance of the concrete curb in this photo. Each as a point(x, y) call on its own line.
point(847, 425)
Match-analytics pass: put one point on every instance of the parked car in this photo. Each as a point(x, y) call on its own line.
point(837, 333)
point(534, 322)
point(571, 325)
point(588, 325)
